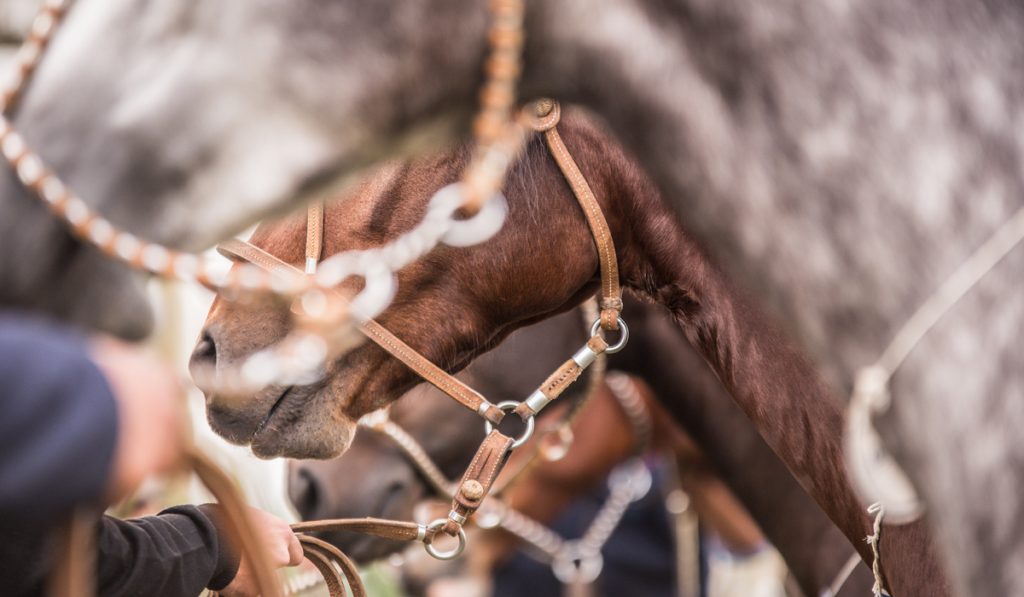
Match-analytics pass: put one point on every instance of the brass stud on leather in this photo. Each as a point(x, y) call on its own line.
point(472, 490)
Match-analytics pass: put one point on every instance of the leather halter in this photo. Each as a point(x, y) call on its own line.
point(493, 453)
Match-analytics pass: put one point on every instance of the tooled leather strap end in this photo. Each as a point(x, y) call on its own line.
point(490, 458)
point(543, 114)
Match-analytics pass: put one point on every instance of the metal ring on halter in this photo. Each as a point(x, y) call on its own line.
point(509, 406)
point(623, 335)
point(476, 229)
point(444, 555)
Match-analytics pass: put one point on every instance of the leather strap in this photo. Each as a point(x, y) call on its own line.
point(314, 235)
point(239, 250)
point(560, 380)
point(569, 372)
point(476, 482)
point(430, 372)
point(378, 527)
point(73, 574)
point(322, 560)
point(547, 115)
point(323, 555)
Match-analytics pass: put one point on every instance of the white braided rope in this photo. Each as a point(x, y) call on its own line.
point(874, 540)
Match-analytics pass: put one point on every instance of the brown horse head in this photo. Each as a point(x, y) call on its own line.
point(451, 306)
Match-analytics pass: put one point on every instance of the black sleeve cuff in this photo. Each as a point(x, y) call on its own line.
point(228, 558)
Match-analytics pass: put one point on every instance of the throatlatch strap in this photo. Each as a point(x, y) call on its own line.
point(548, 113)
point(241, 250)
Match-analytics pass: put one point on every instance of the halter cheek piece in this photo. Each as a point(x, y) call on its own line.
point(493, 453)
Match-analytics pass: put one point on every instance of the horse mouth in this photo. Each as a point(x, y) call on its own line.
point(301, 422)
point(270, 413)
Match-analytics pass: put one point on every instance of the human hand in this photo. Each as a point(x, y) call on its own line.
point(281, 545)
point(149, 414)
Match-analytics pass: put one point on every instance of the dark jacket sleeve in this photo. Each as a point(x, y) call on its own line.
point(58, 425)
point(181, 551)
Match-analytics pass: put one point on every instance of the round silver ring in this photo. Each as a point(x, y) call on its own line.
point(451, 553)
point(509, 406)
point(623, 335)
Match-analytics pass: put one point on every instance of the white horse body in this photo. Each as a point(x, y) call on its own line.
point(839, 159)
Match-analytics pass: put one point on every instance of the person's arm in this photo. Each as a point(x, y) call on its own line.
point(181, 551)
point(59, 425)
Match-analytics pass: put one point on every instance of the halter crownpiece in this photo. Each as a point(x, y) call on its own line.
point(547, 114)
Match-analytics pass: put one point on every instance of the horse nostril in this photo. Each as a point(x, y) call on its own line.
point(305, 493)
point(206, 349)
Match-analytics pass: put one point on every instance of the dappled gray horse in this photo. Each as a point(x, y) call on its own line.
point(840, 159)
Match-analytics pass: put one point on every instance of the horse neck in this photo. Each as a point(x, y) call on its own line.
point(778, 389)
point(812, 546)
